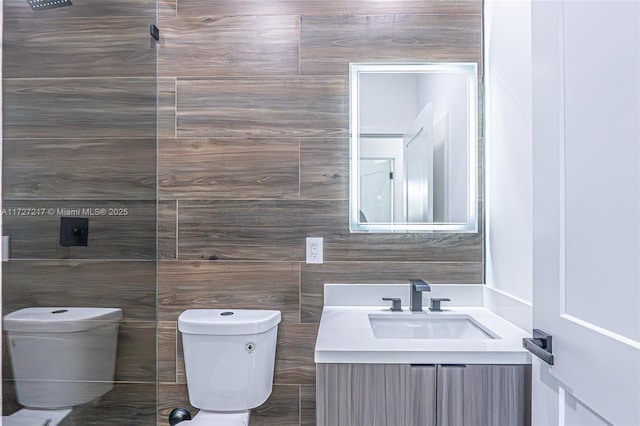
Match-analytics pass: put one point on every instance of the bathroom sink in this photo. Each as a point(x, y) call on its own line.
point(423, 326)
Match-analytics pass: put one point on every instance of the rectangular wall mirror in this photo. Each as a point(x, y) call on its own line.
point(413, 147)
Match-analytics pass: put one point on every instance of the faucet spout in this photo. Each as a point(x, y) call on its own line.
point(417, 287)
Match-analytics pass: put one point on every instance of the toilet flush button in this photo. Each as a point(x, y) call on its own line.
point(250, 347)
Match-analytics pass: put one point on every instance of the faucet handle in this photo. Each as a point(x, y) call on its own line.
point(395, 303)
point(435, 303)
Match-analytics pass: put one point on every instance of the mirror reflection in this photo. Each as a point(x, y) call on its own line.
point(413, 163)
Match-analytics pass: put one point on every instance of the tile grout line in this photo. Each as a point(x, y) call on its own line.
point(299, 168)
point(299, 404)
point(177, 212)
point(175, 99)
point(300, 292)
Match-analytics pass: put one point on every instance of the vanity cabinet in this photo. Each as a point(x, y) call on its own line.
point(423, 395)
point(483, 395)
point(375, 395)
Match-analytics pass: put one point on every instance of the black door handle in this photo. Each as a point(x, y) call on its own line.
point(540, 345)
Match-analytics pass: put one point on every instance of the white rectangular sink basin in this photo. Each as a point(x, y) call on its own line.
point(423, 326)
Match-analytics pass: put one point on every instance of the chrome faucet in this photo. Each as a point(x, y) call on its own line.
point(417, 287)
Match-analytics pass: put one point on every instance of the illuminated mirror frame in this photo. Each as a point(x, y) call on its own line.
point(471, 70)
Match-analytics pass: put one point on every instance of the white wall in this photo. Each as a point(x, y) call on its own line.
point(508, 151)
point(388, 102)
point(448, 95)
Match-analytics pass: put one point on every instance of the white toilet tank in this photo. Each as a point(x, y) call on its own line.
point(62, 357)
point(229, 356)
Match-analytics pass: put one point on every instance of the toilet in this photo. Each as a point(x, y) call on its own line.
point(60, 358)
point(229, 357)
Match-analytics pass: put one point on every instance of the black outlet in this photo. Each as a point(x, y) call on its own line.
point(74, 231)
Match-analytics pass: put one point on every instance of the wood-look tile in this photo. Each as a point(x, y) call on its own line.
point(167, 8)
point(327, 7)
point(294, 354)
point(106, 9)
point(313, 278)
point(126, 404)
point(167, 229)
point(426, 247)
point(70, 47)
point(228, 46)
point(136, 359)
point(127, 234)
point(88, 283)
point(281, 409)
point(80, 108)
point(253, 230)
point(166, 107)
point(276, 230)
point(264, 107)
point(9, 400)
point(324, 168)
point(235, 285)
point(307, 405)
point(167, 341)
point(243, 52)
point(170, 396)
point(228, 168)
point(79, 168)
point(329, 43)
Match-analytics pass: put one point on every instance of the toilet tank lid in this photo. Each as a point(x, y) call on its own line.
point(227, 321)
point(60, 319)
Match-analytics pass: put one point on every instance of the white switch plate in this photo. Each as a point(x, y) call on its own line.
point(314, 250)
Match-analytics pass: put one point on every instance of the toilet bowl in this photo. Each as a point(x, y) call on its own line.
point(229, 357)
point(60, 357)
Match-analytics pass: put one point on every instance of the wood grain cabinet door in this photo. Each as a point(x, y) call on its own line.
point(484, 395)
point(376, 395)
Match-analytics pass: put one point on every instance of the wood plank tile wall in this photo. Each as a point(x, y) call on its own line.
point(252, 119)
point(80, 133)
point(253, 158)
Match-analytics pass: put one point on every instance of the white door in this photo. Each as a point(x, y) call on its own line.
point(376, 190)
point(418, 167)
point(586, 210)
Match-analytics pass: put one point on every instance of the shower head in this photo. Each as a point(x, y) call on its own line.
point(48, 4)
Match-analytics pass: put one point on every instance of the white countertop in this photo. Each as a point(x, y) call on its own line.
point(345, 336)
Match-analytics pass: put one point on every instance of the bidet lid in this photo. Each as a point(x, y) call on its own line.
point(227, 321)
point(54, 320)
